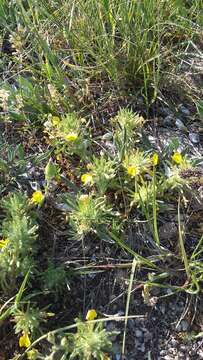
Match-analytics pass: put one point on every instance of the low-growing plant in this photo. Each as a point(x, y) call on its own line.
point(87, 214)
point(137, 163)
point(18, 246)
point(103, 172)
point(143, 196)
point(91, 341)
point(68, 134)
point(27, 319)
point(54, 278)
point(13, 163)
point(127, 130)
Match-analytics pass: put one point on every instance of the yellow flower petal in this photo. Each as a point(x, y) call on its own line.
point(91, 314)
point(155, 159)
point(24, 340)
point(87, 178)
point(55, 120)
point(4, 242)
point(177, 157)
point(59, 157)
point(37, 197)
point(132, 171)
point(71, 136)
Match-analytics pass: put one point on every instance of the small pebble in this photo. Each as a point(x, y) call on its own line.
point(107, 136)
point(200, 353)
point(168, 120)
point(118, 356)
point(138, 333)
point(194, 137)
point(166, 111)
point(152, 139)
point(180, 125)
point(181, 356)
point(184, 110)
point(162, 308)
point(173, 342)
point(142, 348)
point(172, 306)
point(162, 352)
point(183, 348)
point(140, 100)
point(185, 325)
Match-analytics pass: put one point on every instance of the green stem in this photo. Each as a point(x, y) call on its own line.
point(181, 241)
point(156, 234)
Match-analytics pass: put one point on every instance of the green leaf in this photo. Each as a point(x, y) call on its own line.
point(3, 166)
point(22, 289)
point(51, 171)
point(199, 106)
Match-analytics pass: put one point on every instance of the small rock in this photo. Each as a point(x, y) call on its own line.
point(183, 348)
point(168, 120)
point(148, 336)
point(166, 111)
point(138, 333)
point(180, 125)
point(162, 308)
point(169, 291)
point(194, 137)
point(172, 351)
point(107, 136)
point(200, 353)
point(140, 100)
point(183, 326)
point(167, 170)
point(162, 352)
point(181, 356)
point(184, 110)
point(118, 356)
point(131, 325)
point(61, 207)
point(152, 139)
point(155, 291)
point(168, 231)
point(174, 343)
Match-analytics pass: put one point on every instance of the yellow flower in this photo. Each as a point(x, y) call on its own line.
point(71, 136)
point(37, 197)
point(84, 198)
point(155, 159)
point(91, 314)
point(106, 357)
point(24, 340)
point(87, 178)
point(4, 242)
point(59, 157)
point(132, 171)
point(55, 120)
point(177, 157)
